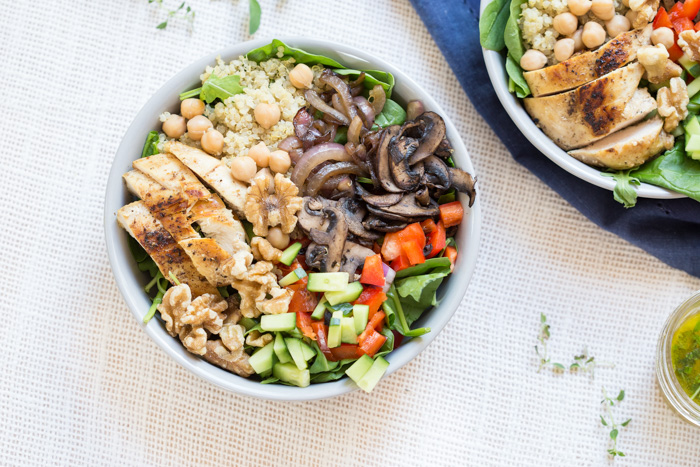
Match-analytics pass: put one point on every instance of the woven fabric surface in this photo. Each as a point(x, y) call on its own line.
point(83, 385)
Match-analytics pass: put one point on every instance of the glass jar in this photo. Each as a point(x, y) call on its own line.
point(665, 373)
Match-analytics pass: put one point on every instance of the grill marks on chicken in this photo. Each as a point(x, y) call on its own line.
point(177, 199)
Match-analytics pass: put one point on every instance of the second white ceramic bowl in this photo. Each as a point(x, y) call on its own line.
point(131, 281)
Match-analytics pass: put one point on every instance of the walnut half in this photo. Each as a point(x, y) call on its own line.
point(689, 41)
point(673, 103)
point(656, 63)
point(271, 202)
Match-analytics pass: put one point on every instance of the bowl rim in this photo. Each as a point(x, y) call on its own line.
point(130, 286)
point(497, 75)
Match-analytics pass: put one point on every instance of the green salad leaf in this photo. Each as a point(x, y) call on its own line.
point(418, 293)
point(151, 145)
point(511, 33)
point(388, 345)
point(624, 193)
point(321, 363)
point(392, 114)
point(254, 16)
point(334, 374)
point(394, 306)
point(492, 25)
point(515, 75)
point(216, 87)
point(673, 170)
point(278, 49)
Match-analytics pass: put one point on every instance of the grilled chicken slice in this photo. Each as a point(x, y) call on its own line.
point(213, 172)
point(591, 112)
point(136, 219)
point(172, 174)
point(217, 222)
point(627, 148)
point(213, 262)
point(583, 68)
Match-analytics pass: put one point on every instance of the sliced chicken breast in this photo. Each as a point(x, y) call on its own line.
point(584, 68)
point(627, 148)
point(591, 112)
point(136, 219)
point(213, 172)
point(208, 256)
point(217, 222)
point(172, 174)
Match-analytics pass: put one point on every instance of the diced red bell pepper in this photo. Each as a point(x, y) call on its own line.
point(372, 271)
point(321, 331)
point(676, 12)
point(682, 24)
point(451, 214)
point(375, 324)
point(414, 252)
point(372, 343)
point(413, 232)
point(302, 300)
point(304, 325)
point(373, 297)
point(346, 351)
point(391, 248)
point(451, 253)
point(691, 8)
point(400, 263)
point(675, 52)
point(436, 239)
point(429, 226)
point(661, 20)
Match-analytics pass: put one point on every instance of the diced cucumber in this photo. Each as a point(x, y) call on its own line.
point(694, 88)
point(350, 293)
point(347, 331)
point(692, 67)
point(247, 323)
point(653, 87)
point(290, 253)
point(693, 143)
point(692, 126)
point(695, 155)
point(373, 375)
point(294, 276)
point(294, 347)
point(360, 315)
point(289, 373)
point(358, 369)
point(278, 323)
point(307, 352)
point(334, 330)
point(263, 359)
point(281, 349)
point(320, 309)
point(328, 281)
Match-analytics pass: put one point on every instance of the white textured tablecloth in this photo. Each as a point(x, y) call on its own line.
point(81, 384)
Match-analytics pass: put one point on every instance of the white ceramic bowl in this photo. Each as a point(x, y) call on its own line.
point(495, 65)
point(131, 281)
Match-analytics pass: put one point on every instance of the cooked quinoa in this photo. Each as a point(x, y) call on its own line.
point(536, 24)
point(265, 82)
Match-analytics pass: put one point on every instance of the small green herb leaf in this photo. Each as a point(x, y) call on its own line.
point(254, 19)
point(626, 422)
point(624, 193)
point(602, 420)
point(613, 433)
point(162, 25)
point(559, 366)
point(220, 88)
point(621, 395)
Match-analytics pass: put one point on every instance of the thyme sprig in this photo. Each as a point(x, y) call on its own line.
point(609, 422)
point(543, 354)
point(184, 11)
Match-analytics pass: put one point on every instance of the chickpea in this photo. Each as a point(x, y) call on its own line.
point(663, 36)
point(578, 42)
point(197, 126)
point(213, 142)
point(243, 168)
point(617, 25)
point(174, 126)
point(593, 35)
point(301, 76)
point(280, 161)
point(277, 238)
point(631, 16)
point(267, 115)
point(603, 9)
point(260, 154)
point(190, 108)
point(564, 49)
point(579, 7)
point(533, 60)
point(565, 24)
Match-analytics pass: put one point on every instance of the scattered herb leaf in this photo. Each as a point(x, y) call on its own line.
point(609, 404)
point(254, 18)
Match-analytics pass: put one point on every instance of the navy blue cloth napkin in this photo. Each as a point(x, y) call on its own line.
point(668, 229)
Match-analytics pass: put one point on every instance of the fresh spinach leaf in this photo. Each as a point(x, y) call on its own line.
point(321, 363)
point(624, 193)
point(492, 25)
point(273, 49)
point(388, 345)
point(270, 380)
point(417, 294)
point(673, 170)
point(334, 374)
point(341, 136)
point(150, 147)
point(419, 269)
point(372, 78)
point(402, 325)
point(346, 308)
point(392, 114)
point(515, 75)
point(254, 16)
point(216, 87)
point(511, 34)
